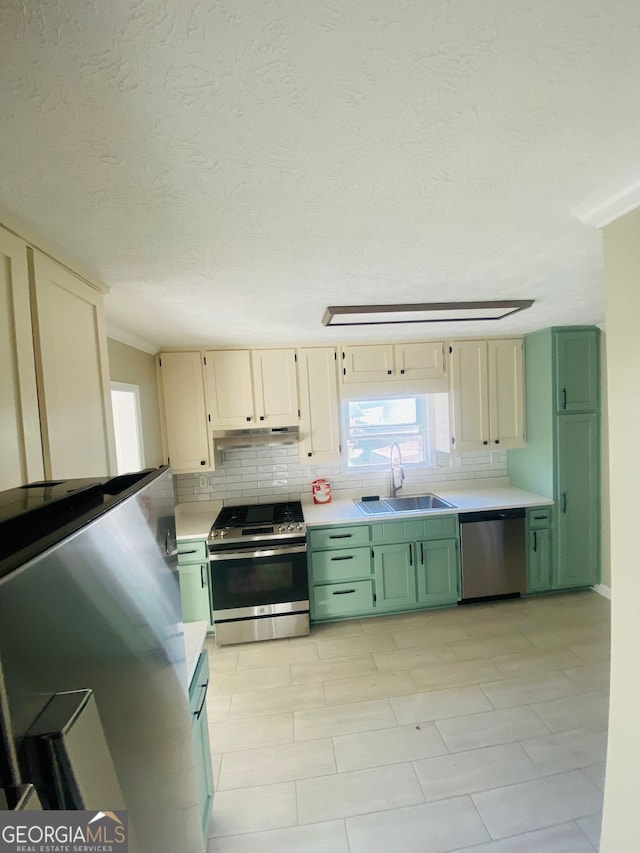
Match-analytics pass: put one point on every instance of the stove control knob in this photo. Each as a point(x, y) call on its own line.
point(282, 528)
point(223, 533)
point(300, 527)
point(290, 528)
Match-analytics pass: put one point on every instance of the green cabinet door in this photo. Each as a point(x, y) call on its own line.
point(539, 560)
point(438, 571)
point(395, 575)
point(194, 592)
point(578, 498)
point(200, 739)
point(577, 371)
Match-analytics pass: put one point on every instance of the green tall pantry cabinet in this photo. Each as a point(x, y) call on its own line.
point(562, 456)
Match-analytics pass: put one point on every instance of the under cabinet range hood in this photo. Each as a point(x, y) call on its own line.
point(237, 439)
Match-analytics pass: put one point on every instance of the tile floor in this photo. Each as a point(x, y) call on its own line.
point(478, 728)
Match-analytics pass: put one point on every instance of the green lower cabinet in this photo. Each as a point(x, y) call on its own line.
point(539, 575)
point(194, 593)
point(395, 574)
point(340, 600)
point(437, 571)
point(200, 739)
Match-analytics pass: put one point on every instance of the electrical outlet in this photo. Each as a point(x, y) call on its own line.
point(203, 482)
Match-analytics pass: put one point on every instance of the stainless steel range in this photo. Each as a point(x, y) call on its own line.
point(259, 584)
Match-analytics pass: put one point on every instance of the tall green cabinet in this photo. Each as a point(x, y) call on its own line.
point(562, 456)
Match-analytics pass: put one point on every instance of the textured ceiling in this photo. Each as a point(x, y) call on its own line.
point(231, 168)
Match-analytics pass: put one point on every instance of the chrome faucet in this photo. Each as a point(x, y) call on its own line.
point(394, 487)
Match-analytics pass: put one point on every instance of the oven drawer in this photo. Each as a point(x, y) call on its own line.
point(327, 566)
point(342, 599)
point(339, 537)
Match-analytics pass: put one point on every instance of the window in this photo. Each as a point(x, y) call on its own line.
point(374, 425)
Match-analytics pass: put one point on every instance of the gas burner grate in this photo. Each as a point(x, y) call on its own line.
point(288, 512)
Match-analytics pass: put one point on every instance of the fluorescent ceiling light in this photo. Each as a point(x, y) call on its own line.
point(422, 312)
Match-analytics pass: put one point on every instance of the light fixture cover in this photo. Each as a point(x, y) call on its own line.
point(422, 312)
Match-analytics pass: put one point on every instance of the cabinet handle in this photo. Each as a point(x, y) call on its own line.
point(194, 551)
point(248, 419)
point(402, 371)
point(422, 553)
point(540, 517)
point(309, 454)
point(343, 592)
point(197, 713)
point(389, 372)
point(337, 559)
point(340, 536)
point(564, 502)
point(261, 417)
point(497, 441)
point(485, 442)
point(410, 555)
point(203, 461)
point(535, 541)
point(564, 398)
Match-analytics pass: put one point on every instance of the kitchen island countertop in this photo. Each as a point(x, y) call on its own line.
point(345, 511)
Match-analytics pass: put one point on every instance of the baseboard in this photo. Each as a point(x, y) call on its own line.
point(601, 589)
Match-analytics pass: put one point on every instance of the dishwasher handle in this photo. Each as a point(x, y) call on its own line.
point(492, 515)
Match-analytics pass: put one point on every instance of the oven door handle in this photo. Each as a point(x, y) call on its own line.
point(253, 555)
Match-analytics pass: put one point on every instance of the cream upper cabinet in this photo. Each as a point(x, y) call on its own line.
point(185, 431)
point(469, 395)
point(229, 388)
point(380, 362)
point(506, 393)
point(275, 387)
point(72, 373)
point(420, 360)
point(21, 457)
point(367, 363)
point(486, 394)
point(320, 434)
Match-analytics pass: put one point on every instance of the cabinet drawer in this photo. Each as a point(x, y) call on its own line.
point(342, 563)
point(199, 684)
point(339, 537)
point(539, 517)
point(192, 551)
point(342, 599)
point(438, 527)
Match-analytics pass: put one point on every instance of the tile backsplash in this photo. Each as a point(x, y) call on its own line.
point(265, 475)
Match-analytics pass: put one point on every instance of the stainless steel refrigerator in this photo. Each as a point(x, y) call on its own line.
point(89, 600)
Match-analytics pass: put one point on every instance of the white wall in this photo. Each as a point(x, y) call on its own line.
point(620, 831)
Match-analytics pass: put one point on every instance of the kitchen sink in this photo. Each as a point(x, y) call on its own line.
point(419, 503)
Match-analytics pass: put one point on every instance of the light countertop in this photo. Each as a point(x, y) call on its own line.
point(194, 636)
point(194, 519)
point(463, 500)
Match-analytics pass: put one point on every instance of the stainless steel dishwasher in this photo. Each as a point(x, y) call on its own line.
point(493, 553)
